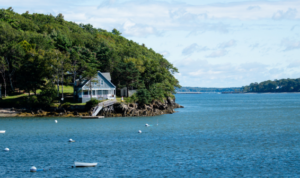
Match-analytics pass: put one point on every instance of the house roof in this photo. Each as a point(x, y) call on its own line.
point(107, 78)
point(105, 75)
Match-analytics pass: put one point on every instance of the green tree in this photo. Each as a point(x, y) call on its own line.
point(128, 76)
point(143, 96)
point(47, 95)
point(3, 69)
point(89, 75)
point(116, 32)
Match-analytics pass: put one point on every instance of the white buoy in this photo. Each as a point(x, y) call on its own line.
point(140, 131)
point(70, 140)
point(147, 125)
point(55, 121)
point(33, 169)
point(6, 149)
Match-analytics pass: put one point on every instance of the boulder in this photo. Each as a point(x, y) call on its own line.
point(171, 101)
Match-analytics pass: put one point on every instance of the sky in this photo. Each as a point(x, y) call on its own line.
point(213, 43)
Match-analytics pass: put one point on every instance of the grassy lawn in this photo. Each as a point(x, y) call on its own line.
point(68, 97)
point(16, 96)
point(119, 99)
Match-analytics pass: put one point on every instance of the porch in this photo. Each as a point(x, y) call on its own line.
point(85, 95)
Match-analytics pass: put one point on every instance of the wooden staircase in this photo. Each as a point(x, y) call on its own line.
point(101, 105)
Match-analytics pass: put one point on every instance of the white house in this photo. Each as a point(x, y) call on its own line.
point(102, 88)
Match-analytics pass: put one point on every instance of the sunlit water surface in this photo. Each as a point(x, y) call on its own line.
point(213, 136)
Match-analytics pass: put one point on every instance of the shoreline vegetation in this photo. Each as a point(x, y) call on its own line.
point(120, 109)
point(41, 57)
point(275, 86)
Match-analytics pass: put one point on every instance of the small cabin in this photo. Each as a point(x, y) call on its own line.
point(102, 88)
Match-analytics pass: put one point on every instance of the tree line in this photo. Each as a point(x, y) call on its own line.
point(38, 51)
point(283, 85)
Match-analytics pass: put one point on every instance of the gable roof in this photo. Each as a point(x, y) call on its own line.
point(106, 78)
point(107, 74)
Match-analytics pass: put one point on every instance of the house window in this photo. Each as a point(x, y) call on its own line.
point(95, 83)
point(105, 92)
point(102, 82)
point(100, 92)
point(85, 92)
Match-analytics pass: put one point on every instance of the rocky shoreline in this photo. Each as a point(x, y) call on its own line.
point(117, 110)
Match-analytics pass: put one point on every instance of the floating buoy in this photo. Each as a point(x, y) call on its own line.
point(33, 169)
point(140, 131)
point(147, 125)
point(70, 140)
point(55, 121)
point(6, 149)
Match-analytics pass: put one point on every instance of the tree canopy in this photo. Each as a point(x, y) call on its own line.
point(283, 85)
point(36, 49)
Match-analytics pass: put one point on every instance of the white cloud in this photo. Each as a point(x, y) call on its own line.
point(227, 44)
point(251, 8)
point(132, 29)
point(290, 44)
point(165, 53)
point(217, 53)
point(254, 46)
point(193, 48)
point(295, 64)
point(144, 18)
point(289, 14)
point(205, 74)
point(293, 27)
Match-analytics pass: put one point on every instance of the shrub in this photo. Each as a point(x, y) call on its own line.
point(32, 101)
point(143, 96)
point(156, 92)
point(66, 105)
point(92, 103)
point(131, 99)
point(47, 95)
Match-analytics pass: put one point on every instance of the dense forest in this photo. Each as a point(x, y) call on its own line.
point(283, 85)
point(38, 52)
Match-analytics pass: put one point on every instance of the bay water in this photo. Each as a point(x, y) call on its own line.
point(215, 135)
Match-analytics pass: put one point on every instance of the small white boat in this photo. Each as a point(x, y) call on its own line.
point(147, 125)
point(55, 121)
point(2, 131)
point(81, 164)
point(71, 140)
point(33, 169)
point(140, 131)
point(6, 149)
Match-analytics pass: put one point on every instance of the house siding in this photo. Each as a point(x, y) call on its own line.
point(102, 89)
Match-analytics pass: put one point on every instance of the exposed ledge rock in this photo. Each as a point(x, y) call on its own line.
point(117, 110)
point(133, 110)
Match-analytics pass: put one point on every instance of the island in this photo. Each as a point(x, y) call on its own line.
point(53, 67)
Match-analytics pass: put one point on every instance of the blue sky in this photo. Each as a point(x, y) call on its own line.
point(215, 43)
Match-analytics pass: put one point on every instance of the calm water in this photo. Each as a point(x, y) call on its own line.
point(213, 136)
